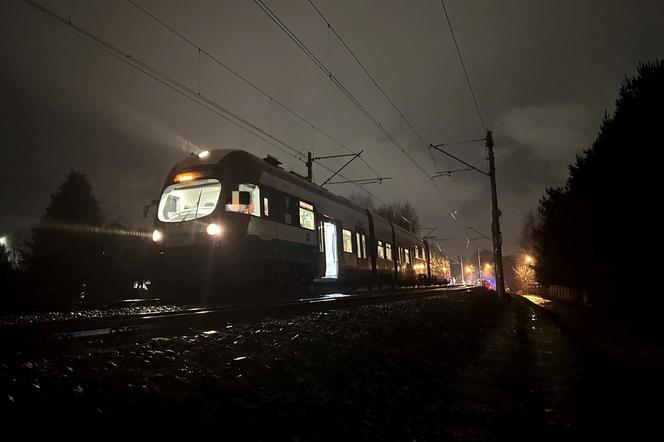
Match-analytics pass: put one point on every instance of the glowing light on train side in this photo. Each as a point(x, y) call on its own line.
point(157, 235)
point(187, 176)
point(203, 155)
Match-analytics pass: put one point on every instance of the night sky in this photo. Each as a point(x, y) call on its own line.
point(544, 73)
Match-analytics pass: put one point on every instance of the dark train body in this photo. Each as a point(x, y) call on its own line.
point(230, 219)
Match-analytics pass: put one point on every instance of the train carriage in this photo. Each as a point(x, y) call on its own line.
point(404, 245)
point(227, 218)
point(383, 243)
point(439, 265)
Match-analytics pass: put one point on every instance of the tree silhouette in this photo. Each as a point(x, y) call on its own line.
point(396, 212)
point(601, 217)
point(64, 251)
point(7, 278)
point(5, 266)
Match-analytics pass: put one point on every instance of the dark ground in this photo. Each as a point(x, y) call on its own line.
point(449, 367)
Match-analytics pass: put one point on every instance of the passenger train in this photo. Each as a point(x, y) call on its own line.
point(228, 219)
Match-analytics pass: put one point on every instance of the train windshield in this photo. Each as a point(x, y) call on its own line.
point(187, 201)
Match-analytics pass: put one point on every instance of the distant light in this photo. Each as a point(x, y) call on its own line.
point(210, 332)
point(157, 236)
point(213, 229)
point(3, 240)
point(204, 154)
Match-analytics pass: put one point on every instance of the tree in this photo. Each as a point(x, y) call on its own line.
point(7, 278)
point(524, 270)
point(362, 200)
point(403, 215)
point(5, 262)
point(526, 237)
point(601, 216)
point(511, 281)
point(64, 250)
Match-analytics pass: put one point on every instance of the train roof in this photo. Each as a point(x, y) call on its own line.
point(267, 164)
point(270, 164)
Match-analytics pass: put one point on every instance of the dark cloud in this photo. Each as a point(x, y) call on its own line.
point(544, 73)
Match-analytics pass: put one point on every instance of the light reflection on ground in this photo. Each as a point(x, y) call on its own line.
point(335, 295)
point(537, 300)
point(326, 297)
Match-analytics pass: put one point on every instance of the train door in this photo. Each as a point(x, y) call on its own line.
point(329, 243)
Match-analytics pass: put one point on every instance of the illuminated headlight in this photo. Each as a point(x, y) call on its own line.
point(204, 154)
point(156, 235)
point(213, 229)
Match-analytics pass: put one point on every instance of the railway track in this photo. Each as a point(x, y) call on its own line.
point(200, 318)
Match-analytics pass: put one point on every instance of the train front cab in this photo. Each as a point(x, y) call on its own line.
point(205, 210)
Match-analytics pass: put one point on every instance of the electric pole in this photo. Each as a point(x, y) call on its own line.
point(310, 162)
point(495, 223)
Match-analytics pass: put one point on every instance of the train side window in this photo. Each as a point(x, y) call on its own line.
point(348, 241)
point(406, 253)
point(381, 251)
point(266, 206)
point(245, 200)
point(307, 216)
point(388, 251)
point(364, 245)
point(417, 252)
point(359, 244)
point(321, 242)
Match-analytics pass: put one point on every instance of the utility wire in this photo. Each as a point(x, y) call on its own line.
point(463, 65)
point(341, 87)
point(180, 88)
point(371, 77)
point(476, 140)
point(248, 82)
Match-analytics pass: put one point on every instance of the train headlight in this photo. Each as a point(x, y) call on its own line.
point(213, 229)
point(203, 155)
point(157, 235)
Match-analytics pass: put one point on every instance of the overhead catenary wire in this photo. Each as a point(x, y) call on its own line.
point(182, 89)
point(281, 25)
point(153, 73)
point(438, 147)
point(250, 83)
point(366, 71)
point(463, 66)
point(375, 82)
